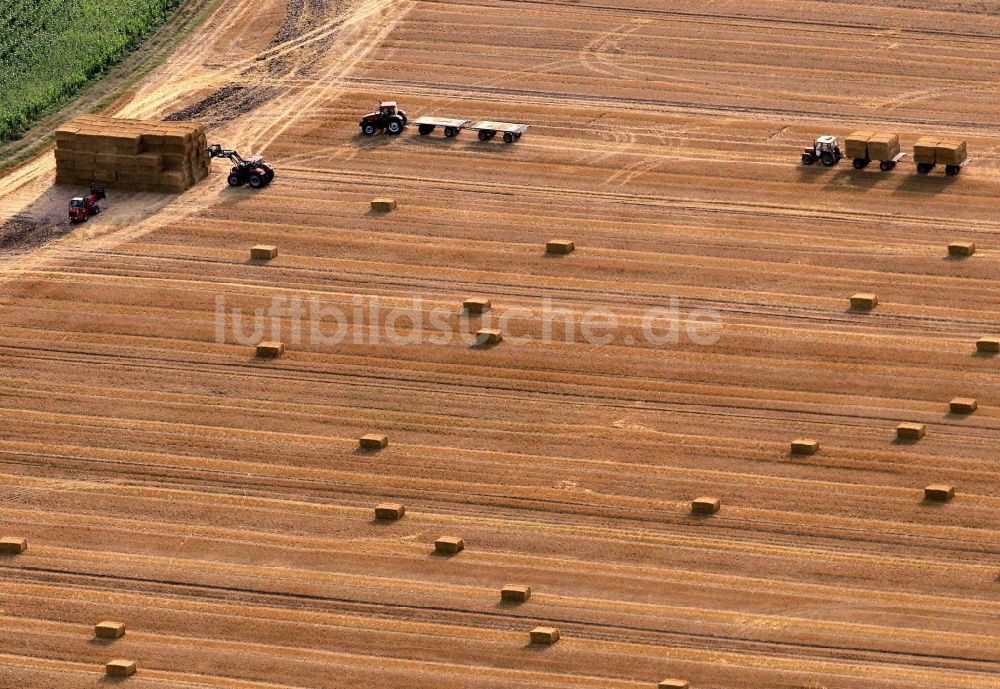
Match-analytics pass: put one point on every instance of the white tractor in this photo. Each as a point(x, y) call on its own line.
point(825, 150)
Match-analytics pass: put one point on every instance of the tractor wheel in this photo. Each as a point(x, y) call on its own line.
point(368, 129)
point(807, 159)
point(450, 131)
point(508, 137)
point(270, 176)
point(425, 129)
point(394, 126)
point(235, 181)
point(95, 210)
point(257, 182)
point(829, 160)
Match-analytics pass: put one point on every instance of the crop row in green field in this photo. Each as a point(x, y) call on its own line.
point(50, 48)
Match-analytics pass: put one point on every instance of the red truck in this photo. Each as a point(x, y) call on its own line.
point(82, 207)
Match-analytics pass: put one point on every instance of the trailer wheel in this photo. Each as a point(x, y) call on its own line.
point(952, 170)
point(234, 180)
point(450, 131)
point(484, 135)
point(508, 137)
point(886, 165)
point(861, 163)
point(517, 135)
point(425, 129)
point(924, 168)
point(807, 159)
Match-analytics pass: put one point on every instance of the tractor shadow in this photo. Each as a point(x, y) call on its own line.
point(857, 180)
point(376, 140)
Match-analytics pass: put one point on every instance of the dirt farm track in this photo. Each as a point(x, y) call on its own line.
point(219, 506)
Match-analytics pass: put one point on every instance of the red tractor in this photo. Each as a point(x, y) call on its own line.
point(82, 207)
point(387, 117)
point(254, 171)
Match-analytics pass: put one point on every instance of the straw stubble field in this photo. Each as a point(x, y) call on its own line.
point(218, 504)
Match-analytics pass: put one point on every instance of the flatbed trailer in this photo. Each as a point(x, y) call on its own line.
point(884, 165)
point(510, 130)
point(949, 170)
point(451, 125)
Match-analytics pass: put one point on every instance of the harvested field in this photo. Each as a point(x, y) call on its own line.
point(219, 505)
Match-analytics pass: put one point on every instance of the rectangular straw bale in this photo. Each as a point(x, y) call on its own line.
point(12, 545)
point(883, 146)
point(856, 144)
point(925, 150)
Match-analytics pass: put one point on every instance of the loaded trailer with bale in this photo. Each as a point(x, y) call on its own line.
point(931, 151)
point(140, 155)
point(865, 146)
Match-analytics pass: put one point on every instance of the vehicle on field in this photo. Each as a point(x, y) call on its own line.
point(487, 130)
point(82, 207)
point(826, 150)
point(451, 125)
point(388, 117)
point(254, 171)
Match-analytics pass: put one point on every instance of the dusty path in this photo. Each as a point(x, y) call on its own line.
point(219, 506)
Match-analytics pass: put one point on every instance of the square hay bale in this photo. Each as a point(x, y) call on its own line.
point(950, 152)
point(559, 246)
point(856, 144)
point(883, 146)
point(961, 248)
point(383, 205)
point(864, 301)
point(988, 345)
point(488, 336)
point(910, 431)
point(11, 545)
point(270, 350)
point(109, 630)
point(925, 150)
point(705, 505)
point(263, 252)
point(543, 636)
point(673, 684)
point(804, 446)
point(939, 492)
point(389, 511)
point(963, 405)
point(120, 668)
point(373, 441)
point(512, 593)
point(449, 545)
point(476, 305)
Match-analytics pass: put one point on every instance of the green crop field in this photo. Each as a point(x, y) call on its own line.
point(50, 48)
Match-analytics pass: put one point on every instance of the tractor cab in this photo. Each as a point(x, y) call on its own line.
point(387, 108)
point(76, 202)
point(826, 143)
